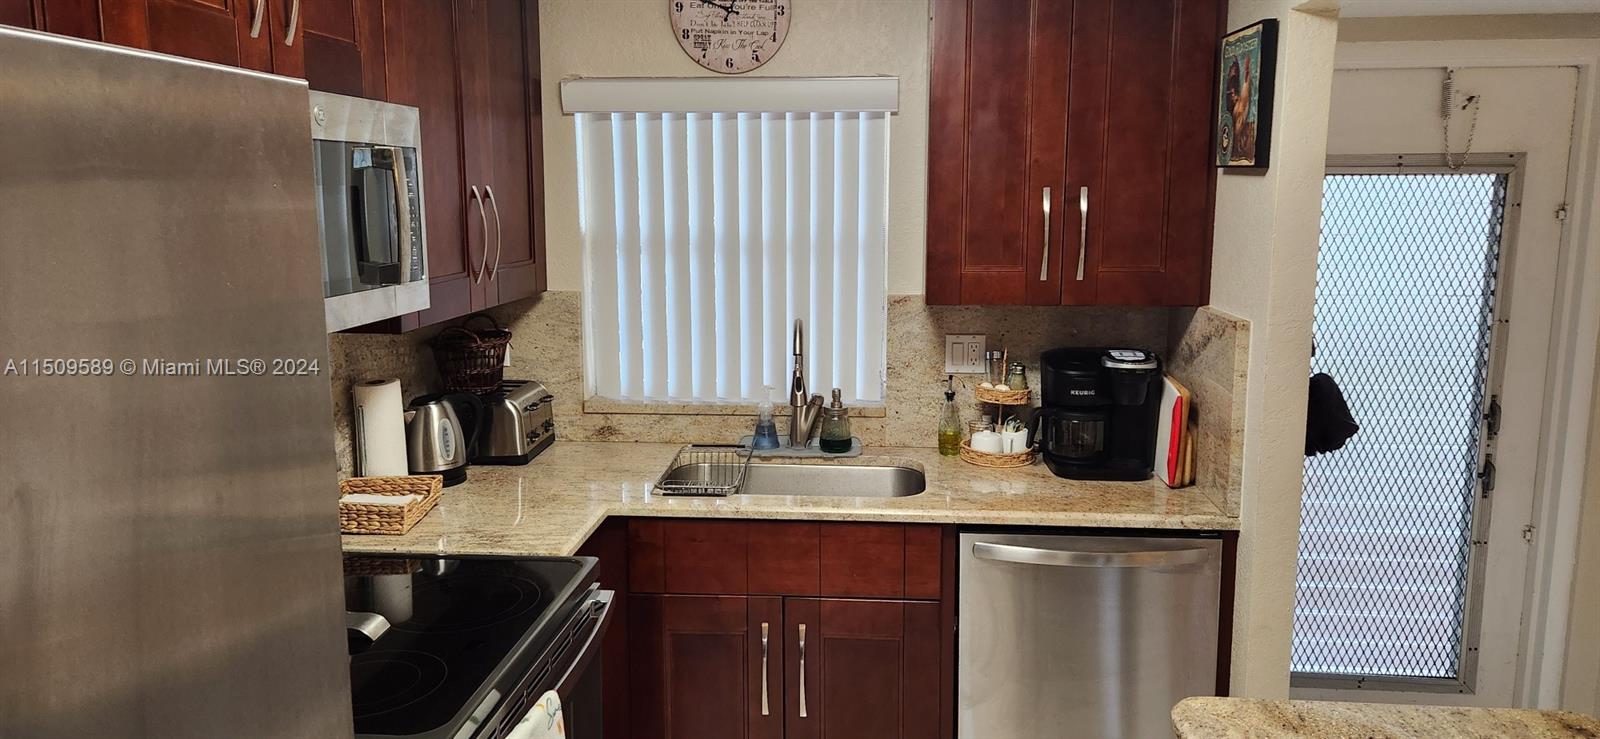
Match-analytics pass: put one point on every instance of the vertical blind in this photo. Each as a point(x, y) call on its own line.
point(706, 234)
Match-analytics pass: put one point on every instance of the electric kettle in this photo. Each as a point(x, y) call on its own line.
point(437, 441)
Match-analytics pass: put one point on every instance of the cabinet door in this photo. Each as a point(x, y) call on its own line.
point(512, 133)
point(1139, 134)
point(342, 43)
point(997, 142)
point(421, 70)
point(861, 669)
point(234, 32)
point(698, 666)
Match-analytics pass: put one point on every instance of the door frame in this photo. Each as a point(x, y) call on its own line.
point(1575, 339)
point(1517, 500)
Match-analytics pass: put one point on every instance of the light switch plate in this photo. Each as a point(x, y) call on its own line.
point(963, 354)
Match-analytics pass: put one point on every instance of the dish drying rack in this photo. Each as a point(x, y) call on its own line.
point(706, 470)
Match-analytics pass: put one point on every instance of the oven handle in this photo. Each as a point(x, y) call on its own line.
point(600, 614)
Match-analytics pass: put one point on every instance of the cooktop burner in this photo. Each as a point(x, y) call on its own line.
point(458, 627)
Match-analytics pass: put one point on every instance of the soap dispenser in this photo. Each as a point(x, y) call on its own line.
point(766, 435)
point(835, 427)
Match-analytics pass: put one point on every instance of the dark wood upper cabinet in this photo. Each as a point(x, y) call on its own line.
point(1045, 111)
point(239, 33)
point(80, 18)
point(861, 669)
point(699, 667)
point(470, 66)
point(343, 46)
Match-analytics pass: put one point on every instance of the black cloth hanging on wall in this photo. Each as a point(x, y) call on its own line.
point(1328, 421)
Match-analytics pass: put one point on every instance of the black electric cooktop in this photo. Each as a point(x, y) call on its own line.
point(458, 628)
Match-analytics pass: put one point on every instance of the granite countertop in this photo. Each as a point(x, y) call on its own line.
point(552, 505)
point(1205, 718)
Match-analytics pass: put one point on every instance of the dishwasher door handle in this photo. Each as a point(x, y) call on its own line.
point(1069, 558)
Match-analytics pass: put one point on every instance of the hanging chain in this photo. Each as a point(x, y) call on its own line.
point(1472, 131)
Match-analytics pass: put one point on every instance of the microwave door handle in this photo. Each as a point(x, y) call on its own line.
point(369, 271)
point(402, 212)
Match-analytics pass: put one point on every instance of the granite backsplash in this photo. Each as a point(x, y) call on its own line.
point(548, 339)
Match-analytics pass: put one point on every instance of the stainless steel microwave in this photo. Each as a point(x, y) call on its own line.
point(368, 158)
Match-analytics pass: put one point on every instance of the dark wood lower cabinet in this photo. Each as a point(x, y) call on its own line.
point(866, 669)
point(857, 636)
point(699, 668)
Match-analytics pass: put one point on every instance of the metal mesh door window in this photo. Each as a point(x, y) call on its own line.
point(707, 234)
point(1405, 299)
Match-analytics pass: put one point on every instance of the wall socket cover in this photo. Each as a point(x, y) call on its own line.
point(963, 354)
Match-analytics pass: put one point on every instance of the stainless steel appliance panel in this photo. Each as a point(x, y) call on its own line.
point(170, 534)
point(1075, 636)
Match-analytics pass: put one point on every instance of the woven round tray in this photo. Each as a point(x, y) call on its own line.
point(1003, 397)
point(998, 461)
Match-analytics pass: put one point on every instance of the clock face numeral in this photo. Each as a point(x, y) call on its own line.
point(730, 36)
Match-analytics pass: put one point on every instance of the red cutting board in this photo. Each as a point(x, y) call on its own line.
point(1172, 421)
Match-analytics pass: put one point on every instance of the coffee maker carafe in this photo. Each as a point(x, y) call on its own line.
point(1097, 420)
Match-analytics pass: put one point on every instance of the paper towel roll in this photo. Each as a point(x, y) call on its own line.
point(380, 428)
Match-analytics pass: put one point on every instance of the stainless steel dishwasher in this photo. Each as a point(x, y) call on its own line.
point(1083, 636)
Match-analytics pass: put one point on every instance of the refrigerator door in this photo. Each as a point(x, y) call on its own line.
point(168, 524)
point(1083, 636)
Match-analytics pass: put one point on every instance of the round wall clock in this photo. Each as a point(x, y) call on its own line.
point(730, 36)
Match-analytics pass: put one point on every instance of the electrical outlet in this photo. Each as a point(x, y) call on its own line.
point(963, 354)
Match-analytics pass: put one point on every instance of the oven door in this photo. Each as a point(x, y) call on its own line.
point(572, 672)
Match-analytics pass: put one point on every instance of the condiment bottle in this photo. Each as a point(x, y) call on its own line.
point(950, 421)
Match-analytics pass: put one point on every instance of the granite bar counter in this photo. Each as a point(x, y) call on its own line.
point(1220, 718)
point(552, 505)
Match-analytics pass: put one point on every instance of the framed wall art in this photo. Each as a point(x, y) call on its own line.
point(1247, 64)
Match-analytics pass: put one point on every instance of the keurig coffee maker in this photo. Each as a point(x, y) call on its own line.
point(1098, 415)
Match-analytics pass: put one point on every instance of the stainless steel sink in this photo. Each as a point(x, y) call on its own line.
point(834, 480)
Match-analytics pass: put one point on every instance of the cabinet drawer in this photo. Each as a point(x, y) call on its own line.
point(861, 560)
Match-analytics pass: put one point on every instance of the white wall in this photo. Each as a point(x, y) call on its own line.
point(632, 38)
point(1264, 270)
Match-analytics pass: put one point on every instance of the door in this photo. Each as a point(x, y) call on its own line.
point(706, 666)
point(342, 42)
point(1139, 180)
point(420, 53)
point(512, 133)
point(237, 33)
point(861, 669)
point(997, 147)
point(1436, 290)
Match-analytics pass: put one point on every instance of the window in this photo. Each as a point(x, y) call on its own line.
point(717, 217)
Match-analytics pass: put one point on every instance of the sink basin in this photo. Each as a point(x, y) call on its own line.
point(834, 480)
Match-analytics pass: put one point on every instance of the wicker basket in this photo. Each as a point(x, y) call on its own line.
point(472, 360)
point(367, 518)
point(986, 459)
point(1003, 397)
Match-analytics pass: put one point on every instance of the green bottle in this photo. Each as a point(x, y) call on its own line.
point(950, 421)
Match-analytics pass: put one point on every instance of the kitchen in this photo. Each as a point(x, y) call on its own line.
point(541, 139)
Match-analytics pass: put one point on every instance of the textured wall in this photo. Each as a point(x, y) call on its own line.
point(1264, 271)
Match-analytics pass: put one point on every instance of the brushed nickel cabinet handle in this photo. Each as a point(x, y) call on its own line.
point(255, 21)
point(494, 206)
point(802, 670)
point(1044, 257)
point(1083, 227)
point(483, 218)
point(766, 710)
point(294, 22)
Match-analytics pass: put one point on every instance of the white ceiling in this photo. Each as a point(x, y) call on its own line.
point(1395, 8)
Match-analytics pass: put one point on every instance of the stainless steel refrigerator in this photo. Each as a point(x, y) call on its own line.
point(169, 551)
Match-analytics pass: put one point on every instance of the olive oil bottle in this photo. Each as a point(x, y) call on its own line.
point(950, 421)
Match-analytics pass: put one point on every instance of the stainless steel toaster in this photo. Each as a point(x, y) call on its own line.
point(521, 423)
